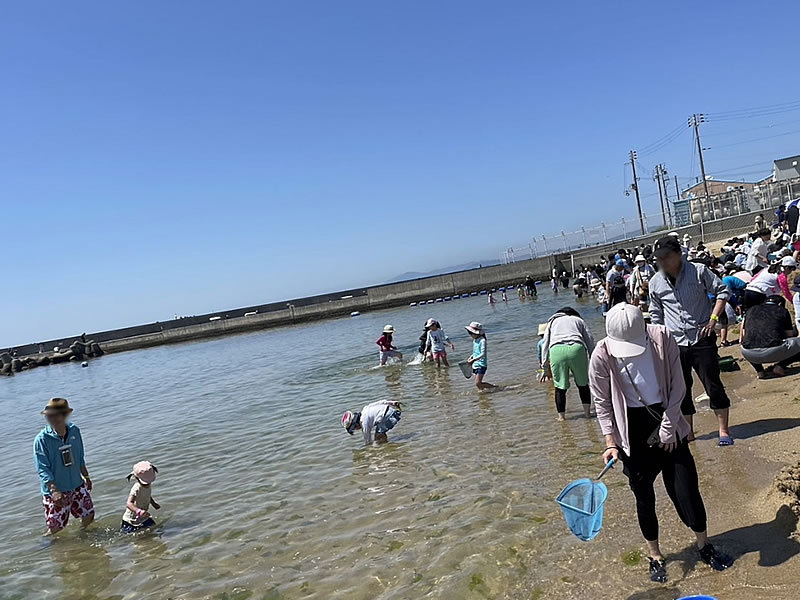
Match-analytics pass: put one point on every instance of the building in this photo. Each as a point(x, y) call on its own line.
point(786, 168)
point(715, 188)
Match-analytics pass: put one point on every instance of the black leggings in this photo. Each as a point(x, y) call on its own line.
point(561, 397)
point(677, 469)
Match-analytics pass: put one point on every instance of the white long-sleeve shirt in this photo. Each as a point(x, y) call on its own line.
point(371, 414)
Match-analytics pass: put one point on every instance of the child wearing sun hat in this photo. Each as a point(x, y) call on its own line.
point(140, 498)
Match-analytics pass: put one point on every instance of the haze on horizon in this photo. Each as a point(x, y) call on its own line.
point(186, 157)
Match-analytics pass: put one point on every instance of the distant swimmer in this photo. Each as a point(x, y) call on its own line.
point(504, 297)
point(385, 344)
point(491, 298)
point(373, 421)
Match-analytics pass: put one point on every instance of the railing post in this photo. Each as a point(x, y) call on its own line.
point(583, 231)
point(536, 252)
point(564, 237)
point(530, 249)
point(624, 231)
point(544, 241)
point(605, 237)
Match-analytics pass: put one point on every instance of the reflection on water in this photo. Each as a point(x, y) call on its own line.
point(263, 494)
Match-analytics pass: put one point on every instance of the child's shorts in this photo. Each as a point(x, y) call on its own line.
point(440, 355)
point(77, 503)
point(385, 356)
point(131, 528)
point(479, 370)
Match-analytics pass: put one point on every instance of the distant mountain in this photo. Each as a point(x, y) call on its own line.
point(444, 270)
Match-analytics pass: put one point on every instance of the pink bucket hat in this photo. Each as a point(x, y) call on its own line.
point(475, 328)
point(144, 471)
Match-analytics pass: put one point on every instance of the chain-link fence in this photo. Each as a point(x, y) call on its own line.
point(731, 212)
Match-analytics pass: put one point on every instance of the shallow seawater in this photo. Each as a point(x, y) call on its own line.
point(263, 494)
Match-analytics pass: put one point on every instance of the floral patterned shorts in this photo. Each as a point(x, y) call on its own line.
point(78, 502)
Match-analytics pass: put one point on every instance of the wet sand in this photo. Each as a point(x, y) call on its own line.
point(748, 517)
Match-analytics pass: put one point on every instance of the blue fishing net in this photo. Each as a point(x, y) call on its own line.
point(582, 504)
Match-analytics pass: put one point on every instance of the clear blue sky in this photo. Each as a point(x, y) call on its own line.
point(163, 157)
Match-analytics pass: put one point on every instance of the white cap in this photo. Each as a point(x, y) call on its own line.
point(627, 332)
point(639, 258)
point(788, 261)
point(673, 234)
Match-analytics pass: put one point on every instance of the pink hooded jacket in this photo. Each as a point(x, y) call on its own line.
point(605, 380)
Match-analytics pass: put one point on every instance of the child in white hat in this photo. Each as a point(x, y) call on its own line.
point(140, 499)
point(478, 360)
point(388, 351)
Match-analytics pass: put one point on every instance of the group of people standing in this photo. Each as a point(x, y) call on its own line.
point(664, 310)
point(640, 378)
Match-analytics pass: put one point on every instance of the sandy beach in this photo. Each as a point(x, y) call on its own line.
point(748, 517)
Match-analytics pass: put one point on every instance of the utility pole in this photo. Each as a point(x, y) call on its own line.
point(694, 121)
point(635, 185)
point(666, 193)
point(657, 177)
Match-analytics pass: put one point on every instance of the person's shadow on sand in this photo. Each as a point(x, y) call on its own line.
point(772, 540)
point(743, 431)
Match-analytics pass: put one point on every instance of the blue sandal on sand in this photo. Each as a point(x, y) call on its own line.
point(725, 440)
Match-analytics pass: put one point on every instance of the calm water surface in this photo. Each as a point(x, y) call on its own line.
point(263, 494)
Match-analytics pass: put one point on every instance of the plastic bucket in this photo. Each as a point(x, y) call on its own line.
point(581, 503)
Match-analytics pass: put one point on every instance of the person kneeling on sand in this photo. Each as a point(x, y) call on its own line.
point(638, 386)
point(373, 421)
point(768, 336)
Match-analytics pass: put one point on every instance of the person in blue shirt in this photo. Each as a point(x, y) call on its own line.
point(60, 464)
point(478, 360)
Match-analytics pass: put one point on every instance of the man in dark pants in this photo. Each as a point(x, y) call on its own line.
point(680, 299)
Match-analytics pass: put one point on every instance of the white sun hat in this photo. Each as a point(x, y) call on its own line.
point(627, 332)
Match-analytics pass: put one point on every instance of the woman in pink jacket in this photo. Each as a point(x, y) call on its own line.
point(637, 383)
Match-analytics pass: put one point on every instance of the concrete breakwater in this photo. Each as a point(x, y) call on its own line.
point(339, 304)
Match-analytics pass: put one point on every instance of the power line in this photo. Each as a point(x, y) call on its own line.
point(745, 113)
point(768, 137)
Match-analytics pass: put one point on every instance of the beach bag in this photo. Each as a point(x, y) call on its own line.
point(390, 418)
point(466, 369)
point(582, 503)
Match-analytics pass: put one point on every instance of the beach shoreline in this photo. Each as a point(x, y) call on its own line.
point(748, 517)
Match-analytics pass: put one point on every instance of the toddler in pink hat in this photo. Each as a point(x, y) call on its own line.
point(140, 499)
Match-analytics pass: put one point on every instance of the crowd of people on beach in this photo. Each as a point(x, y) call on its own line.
point(668, 308)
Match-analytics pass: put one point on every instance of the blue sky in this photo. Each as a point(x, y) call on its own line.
point(163, 157)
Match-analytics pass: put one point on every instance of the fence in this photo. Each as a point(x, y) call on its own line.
point(736, 209)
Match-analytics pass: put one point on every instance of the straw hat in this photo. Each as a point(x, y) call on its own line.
point(388, 329)
point(57, 406)
point(542, 328)
point(475, 328)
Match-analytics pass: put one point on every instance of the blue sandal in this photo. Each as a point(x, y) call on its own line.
point(725, 440)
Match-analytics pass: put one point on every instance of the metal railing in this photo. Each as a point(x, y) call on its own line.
point(731, 212)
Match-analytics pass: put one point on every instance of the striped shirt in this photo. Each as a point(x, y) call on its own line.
point(685, 307)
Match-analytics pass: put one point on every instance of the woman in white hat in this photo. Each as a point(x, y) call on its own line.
point(638, 387)
point(388, 351)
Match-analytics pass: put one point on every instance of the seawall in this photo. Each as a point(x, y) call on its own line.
point(378, 297)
